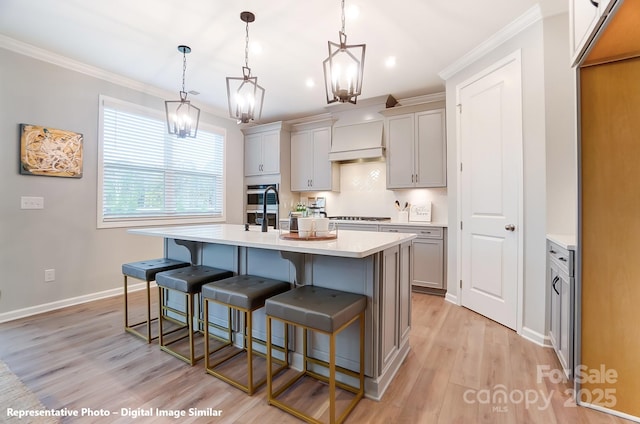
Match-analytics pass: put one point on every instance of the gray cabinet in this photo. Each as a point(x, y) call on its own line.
point(416, 150)
point(428, 256)
point(265, 148)
point(311, 169)
point(560, 279)
point(395, 305)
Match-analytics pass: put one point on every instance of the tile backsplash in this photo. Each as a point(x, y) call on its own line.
point(363, 192)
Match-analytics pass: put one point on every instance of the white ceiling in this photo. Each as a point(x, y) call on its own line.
point(138, 39)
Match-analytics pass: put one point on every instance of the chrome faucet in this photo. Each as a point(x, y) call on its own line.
point(265, 221)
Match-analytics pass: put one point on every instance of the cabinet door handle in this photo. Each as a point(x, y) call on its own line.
point(553, 252)
point(595, 3)
point(555, 281)
point(563, 259)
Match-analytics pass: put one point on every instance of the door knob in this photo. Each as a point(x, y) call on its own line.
point(510, 227)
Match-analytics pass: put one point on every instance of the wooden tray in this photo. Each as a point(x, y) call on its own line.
point(295, 236)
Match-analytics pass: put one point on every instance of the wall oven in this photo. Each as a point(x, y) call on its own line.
point(254, 200)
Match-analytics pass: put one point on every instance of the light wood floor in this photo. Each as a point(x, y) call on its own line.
point(80, 357)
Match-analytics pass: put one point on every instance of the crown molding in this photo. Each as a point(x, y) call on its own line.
point(427, 98)
point(38, 53)
point(524, 21)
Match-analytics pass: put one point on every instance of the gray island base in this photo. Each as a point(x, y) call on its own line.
point(375, 264)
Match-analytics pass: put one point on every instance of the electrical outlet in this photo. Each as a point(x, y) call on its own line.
point(27, 202)
point(49, 275)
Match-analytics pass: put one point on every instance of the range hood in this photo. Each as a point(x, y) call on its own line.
point(357, 141)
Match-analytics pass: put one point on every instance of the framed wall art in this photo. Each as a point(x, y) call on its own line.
point(50, 152)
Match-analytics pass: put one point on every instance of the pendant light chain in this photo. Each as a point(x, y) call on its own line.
point(246, 46)
point(343, 16)
point(184, 67)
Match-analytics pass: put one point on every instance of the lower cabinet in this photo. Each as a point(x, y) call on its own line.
point(428, 257)
point(560, 277)
point(395, 304)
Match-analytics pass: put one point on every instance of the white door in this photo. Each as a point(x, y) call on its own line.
point(490, 130)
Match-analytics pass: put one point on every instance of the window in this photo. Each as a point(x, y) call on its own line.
point(148, 177)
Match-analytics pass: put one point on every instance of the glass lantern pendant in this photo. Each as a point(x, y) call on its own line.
point(182, 116)
point(343, 69)
point(244, 95)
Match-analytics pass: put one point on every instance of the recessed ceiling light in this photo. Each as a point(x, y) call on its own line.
point(390, 62)
point(310, 82)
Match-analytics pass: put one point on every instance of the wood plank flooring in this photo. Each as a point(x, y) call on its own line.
point(459, 364)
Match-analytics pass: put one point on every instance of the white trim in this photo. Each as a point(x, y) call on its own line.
point(452, 298)
point(609, 411)
point(516, 56)
point(101, 221)
point(427, 98)
point(38, 53)
point(524, 21)
point(535, 337)
point(59, 304)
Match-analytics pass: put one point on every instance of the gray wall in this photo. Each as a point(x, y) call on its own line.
point(63, 235)
point(560, 110)
point(530, 42)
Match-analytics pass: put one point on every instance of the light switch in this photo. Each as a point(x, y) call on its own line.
point(31, 202)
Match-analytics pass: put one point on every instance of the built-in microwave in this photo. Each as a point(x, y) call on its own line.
point(254, 200)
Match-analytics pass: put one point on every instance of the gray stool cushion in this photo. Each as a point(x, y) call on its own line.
point(316, 307)
point(147, 270)
point(191, 278)
point(244, 291)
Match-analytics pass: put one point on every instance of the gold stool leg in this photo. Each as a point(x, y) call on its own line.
point(148, 312)
point(249, 346)
point(160, 316)
point(126, 303)
point(189, 299)
point(332, 377)
point(269, 376)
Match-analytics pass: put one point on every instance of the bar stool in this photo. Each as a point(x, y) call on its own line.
point(328, 312)
point(188, 281)
point(246, 294)
point(145, 271)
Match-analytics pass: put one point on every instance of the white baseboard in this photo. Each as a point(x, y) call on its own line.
point(451, 298)
point(59, 304)
point(611, 411)
point(535, 337)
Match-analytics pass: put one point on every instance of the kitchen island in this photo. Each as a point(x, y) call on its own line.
point(375, 264)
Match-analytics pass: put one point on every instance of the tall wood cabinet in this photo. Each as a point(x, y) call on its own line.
point(609, 204)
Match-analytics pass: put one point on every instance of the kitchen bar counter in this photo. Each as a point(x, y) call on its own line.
point(349, 244)
point(376, 264)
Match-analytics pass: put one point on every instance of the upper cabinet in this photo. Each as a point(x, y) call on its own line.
point(311, 169)
point(585, 16)
point(416, 149)
point(264, 149)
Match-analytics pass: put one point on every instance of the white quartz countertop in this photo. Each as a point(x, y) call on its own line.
point(567, 241)
point(350, 244)
point(415, 223)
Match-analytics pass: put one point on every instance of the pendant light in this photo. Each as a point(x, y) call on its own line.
point(182, 116)
point(244, 94)
point(343, 69)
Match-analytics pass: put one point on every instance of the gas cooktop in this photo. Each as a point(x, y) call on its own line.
point(360, 218)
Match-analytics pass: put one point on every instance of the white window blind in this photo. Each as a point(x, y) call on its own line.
point(149, 175)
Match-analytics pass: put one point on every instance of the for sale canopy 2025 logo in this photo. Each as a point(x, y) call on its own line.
point(500, 397)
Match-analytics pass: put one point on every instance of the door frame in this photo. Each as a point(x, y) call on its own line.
point(516, 57)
